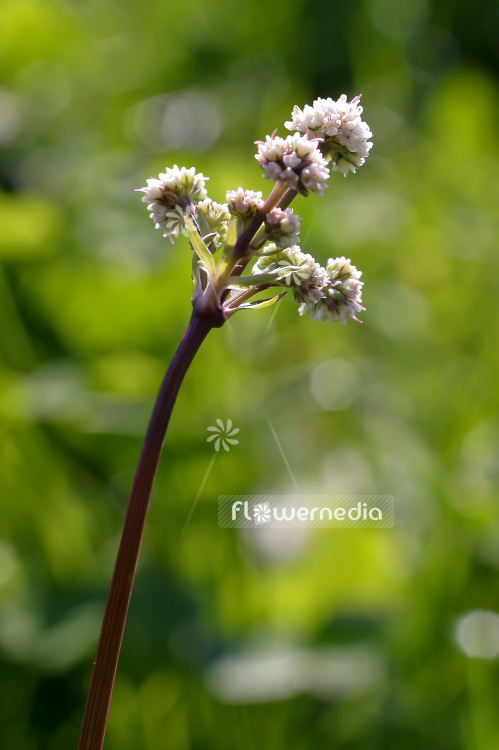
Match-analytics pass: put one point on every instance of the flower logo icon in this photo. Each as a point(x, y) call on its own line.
point(261, 513)
point(223, 435)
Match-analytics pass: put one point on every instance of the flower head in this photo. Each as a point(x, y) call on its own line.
point(213, 219)
point(345, 135)
point(282, 227)
point(171, 195)
point(296, 161)
point(341, 294)
point(243, 204)
point(294, 269)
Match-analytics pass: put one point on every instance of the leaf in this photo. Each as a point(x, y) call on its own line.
point(231, 235)
point(197, 276)
point(259, 241)
point(199, 247)
point(235, 282)
point(263, 253)
point(260, 303)
point(230, 241)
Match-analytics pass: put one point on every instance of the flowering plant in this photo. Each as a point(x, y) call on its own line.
point(247, 230)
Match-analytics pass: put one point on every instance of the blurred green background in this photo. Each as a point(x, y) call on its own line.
point(379, 639)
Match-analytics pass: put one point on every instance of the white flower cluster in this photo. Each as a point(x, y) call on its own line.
point(342, 294)
point(346, 136)
point(328, 133)
point(243, 204)
point(213, 219)
point(331, 293)
point(282, 227)
point(296, 161)
point(171, 195)
point(297, 269)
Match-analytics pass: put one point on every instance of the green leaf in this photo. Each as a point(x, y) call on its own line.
point(260, 303)
point(230, 241)
point(196, 277)
point(235, 282)
point(199, 246)
point(263, 253)
point(231, 235)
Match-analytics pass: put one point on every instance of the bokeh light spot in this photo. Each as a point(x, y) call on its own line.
point(186, 120)
point(334, 384)
point(477, 634)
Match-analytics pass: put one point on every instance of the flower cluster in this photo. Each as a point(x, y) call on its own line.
point(330, 293)
point(342, 294)
point(291, 266)
point(329, 133)
point(339, 123)
point(171, 196)
point(295, 161)
point(243, 204)
point(213, 219)
point(282, 227)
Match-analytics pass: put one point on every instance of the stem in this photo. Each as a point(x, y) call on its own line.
point(287, 198)
point(106, 661)
point(239, 258)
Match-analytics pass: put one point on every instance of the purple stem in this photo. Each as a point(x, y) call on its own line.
point(108, 650)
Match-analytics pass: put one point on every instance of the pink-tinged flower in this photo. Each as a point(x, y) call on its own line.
point(341, 295)
point(296, 270)
point(295, 161)
point(243, 204)
point(282, 227)
point(171, 196)
point(345, 136)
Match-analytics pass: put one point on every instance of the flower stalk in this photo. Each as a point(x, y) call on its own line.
point(246, 228)
point(106, 661)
